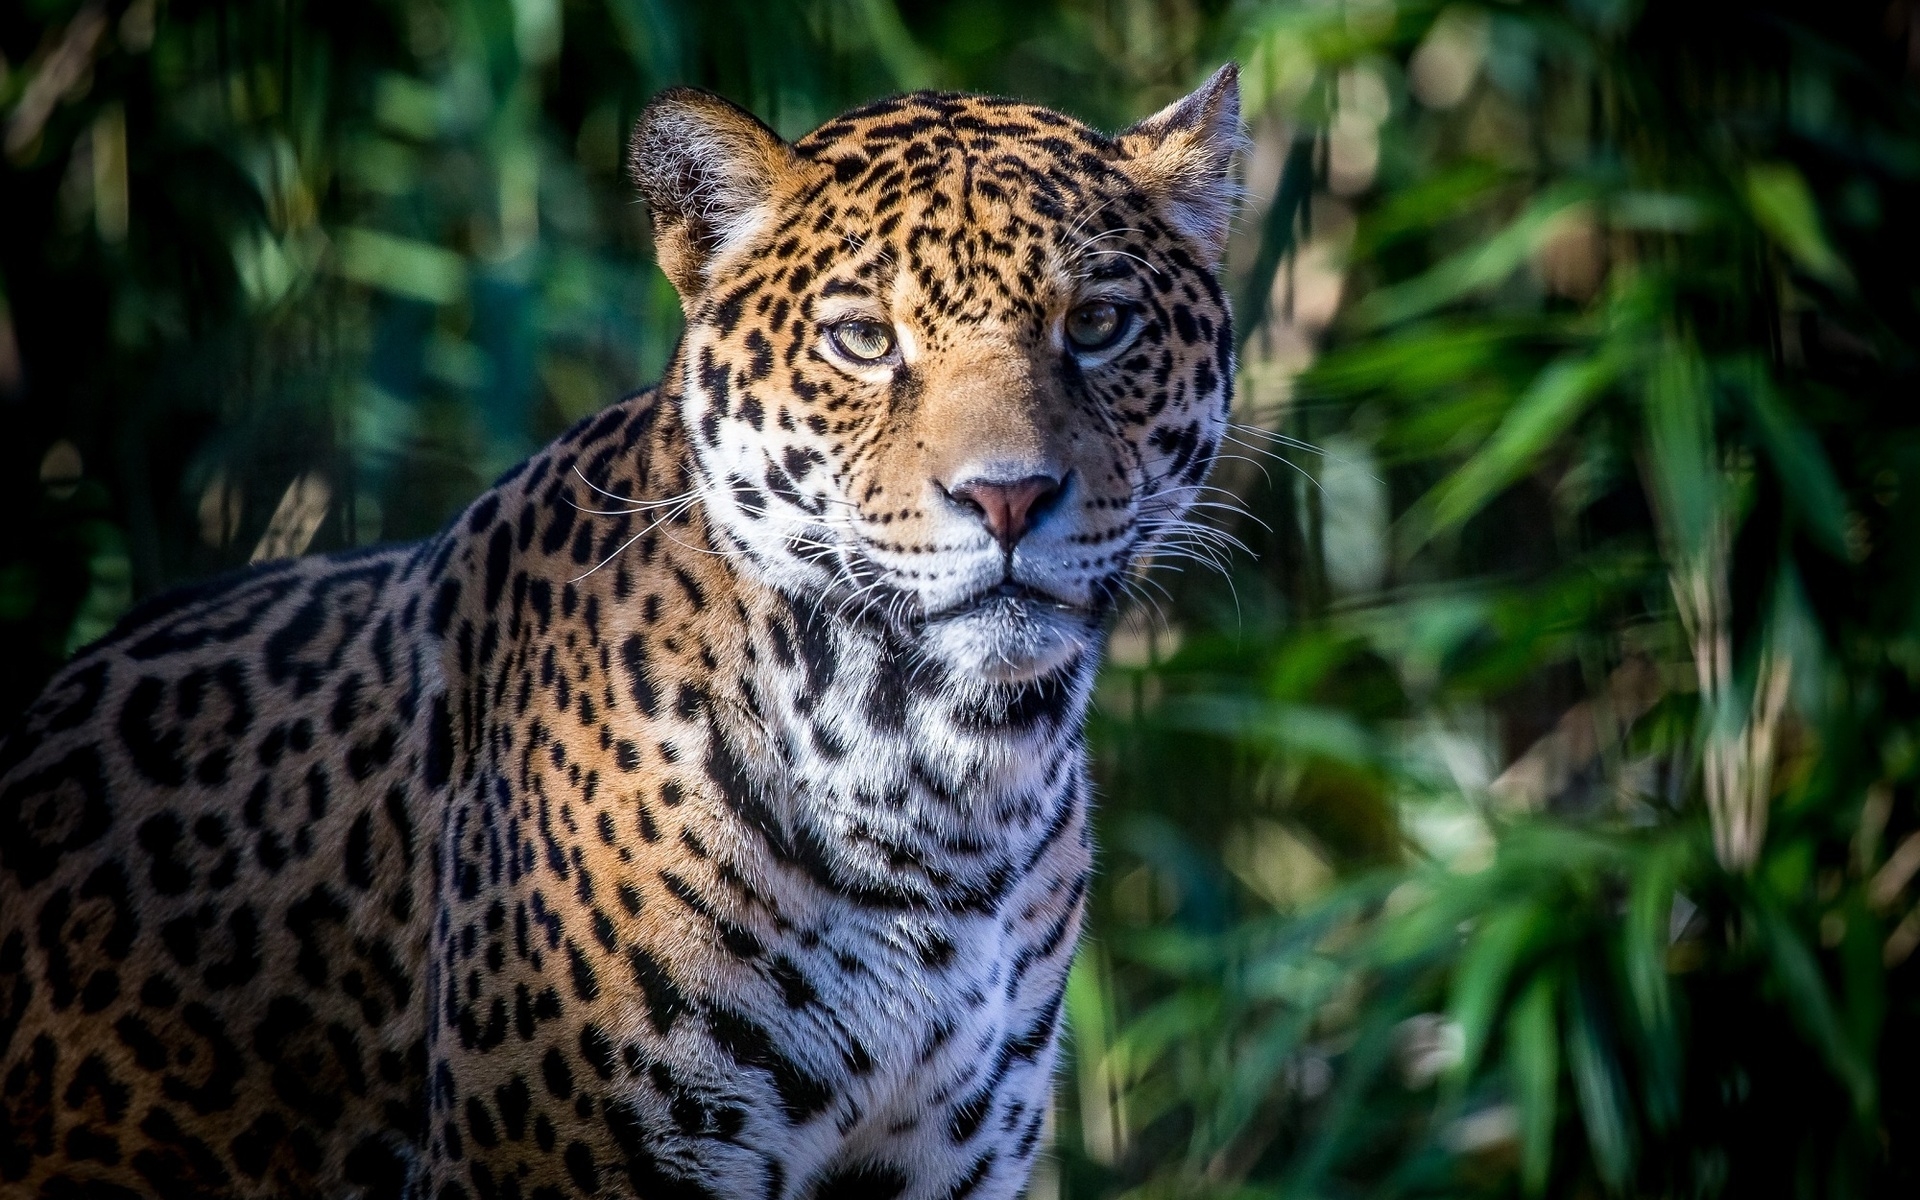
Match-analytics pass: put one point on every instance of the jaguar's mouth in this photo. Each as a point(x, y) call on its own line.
point(1011, 597)
point(1010, 633)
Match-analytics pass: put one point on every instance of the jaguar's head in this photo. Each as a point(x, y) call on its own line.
point(952, 363)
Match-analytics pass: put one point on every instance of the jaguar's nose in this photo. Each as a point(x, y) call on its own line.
point(1009, 509)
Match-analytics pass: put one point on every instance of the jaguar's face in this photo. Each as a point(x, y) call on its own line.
point(951, 363)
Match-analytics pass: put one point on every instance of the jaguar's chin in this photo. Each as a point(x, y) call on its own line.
point(1010, 635)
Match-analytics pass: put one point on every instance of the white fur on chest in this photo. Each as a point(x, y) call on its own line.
point(931, 1038)
point(908, 1016)
point(909, 963)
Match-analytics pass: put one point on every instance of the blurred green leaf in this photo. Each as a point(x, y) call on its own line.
point(414, 269)
point(911, 66)
point(1811, 1004)
point(1427, 202)
point(1536, 422)
point(1533, 1061)
point(109, 588)
point(1294, 729)
point(1617, 297)
point(1811, 487)
point(1476, 268)
point(1783, 206)
point(1646, 937)
point(1485, 972)
point(1686, 476)
point(1599, 1089)
point(1656, 212)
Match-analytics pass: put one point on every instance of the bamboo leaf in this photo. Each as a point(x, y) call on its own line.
point(1473, 269)
point(1808, 478)
point(1533, 1062)
point(1482, 978)
point(403, 266)
point(1598, 1088)
point(1783, 205)
point(1644, 942)
point(1556, 399)
point(1686, 474)
point(1279, 232)
point(1295, 729)
point(1811, 1006)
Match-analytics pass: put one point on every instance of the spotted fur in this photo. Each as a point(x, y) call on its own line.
point(704, 812)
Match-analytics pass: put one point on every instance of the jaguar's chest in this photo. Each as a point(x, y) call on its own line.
point(871, 1036)
point(908, 1005)
point(865, 965)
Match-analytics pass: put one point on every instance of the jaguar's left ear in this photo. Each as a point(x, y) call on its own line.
point(1183, 157)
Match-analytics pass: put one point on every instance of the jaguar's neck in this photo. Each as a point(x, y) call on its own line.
point(850, 746)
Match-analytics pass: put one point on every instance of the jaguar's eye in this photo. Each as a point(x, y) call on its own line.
point(862, 340)
point(1097, 324)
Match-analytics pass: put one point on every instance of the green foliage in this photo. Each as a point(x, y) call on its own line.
point(1529, 811)
point(1627, 334)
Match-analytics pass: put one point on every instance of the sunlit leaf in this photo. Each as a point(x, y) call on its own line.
point(1532, 426)
point(400, 265)
point(1783, 205)
point(1473, 269)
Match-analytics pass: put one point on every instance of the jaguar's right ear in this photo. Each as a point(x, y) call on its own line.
point(707, 168)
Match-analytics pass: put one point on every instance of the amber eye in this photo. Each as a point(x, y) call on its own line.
point(1097, 324)
point(862, 340)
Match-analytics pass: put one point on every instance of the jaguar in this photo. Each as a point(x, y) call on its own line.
point(704, 811)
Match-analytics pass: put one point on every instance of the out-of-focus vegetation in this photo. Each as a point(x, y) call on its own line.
point(1529, 807)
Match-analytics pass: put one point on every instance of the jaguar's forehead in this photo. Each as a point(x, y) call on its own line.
point(984, 203)
point(939, 147)
point(921, 125)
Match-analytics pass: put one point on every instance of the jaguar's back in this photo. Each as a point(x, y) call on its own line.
point(703, 813)
point(215, 889)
